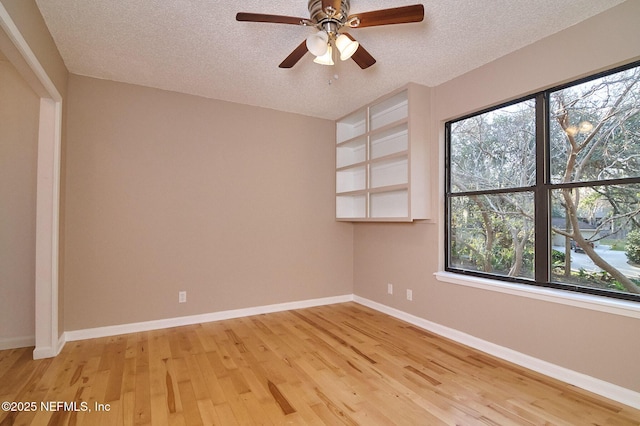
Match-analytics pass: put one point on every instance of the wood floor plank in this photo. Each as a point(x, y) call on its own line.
point(207, 374)
point(235, 402)
point(226, 415)
point(142, 404)
point(9, 376)
point(341, 364)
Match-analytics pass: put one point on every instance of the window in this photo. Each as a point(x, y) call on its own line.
point(546, 190)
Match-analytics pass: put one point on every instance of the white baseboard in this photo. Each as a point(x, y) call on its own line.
point(591, 384)
point(114, 330)
point(44, 352)
point(17, 342)
point(49, 352)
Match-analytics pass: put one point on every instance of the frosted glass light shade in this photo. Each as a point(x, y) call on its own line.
point(346, 46)
point(326, 59)
point(317, 43)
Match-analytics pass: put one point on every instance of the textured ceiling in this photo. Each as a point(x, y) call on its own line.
point(197, 47)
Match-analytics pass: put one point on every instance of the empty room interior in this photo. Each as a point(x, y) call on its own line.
point(319, 212)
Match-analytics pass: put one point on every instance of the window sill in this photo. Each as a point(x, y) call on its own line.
point(586, 301)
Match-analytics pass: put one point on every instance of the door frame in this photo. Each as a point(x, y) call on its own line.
point(13, 45)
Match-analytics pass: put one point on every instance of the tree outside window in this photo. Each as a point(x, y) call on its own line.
point(561, 167)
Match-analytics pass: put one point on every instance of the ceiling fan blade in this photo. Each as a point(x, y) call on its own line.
point(276, 19)
point(396, 15)
point(361, 56)
point(295, 56)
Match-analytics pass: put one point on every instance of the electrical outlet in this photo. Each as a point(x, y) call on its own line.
point(182, 296)
point(409, 294)
point(390, 288)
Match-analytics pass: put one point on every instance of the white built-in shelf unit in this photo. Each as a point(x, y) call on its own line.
point(382, 159)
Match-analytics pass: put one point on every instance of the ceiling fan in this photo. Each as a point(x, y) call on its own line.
point(331, 17)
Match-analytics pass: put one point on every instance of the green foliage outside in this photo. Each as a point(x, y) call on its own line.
point(615, 245)
point(633, 247)
point(600, 279)
point(557, 257)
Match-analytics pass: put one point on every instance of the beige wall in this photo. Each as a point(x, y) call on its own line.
point(170, 192)
point(19, 111)
point(594, 343)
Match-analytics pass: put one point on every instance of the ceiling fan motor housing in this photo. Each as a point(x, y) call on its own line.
point(328, 19)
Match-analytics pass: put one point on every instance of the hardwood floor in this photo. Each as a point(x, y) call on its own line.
point(339, 364)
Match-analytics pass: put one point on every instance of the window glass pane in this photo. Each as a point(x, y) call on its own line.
point(493, 234)
point(595, 129)
point(494, 150)
point(600, 247)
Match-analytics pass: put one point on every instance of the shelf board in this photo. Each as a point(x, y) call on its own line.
point(374, 132)
point(351, 166)
point(388, 188)
point(352, 141)
point(395, 155)
point(354, 192)
point(374, 219)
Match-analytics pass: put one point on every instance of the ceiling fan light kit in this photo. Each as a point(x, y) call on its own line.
point(331, 17)
point(326, 59)
point(346, 46)
point(318, 43)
